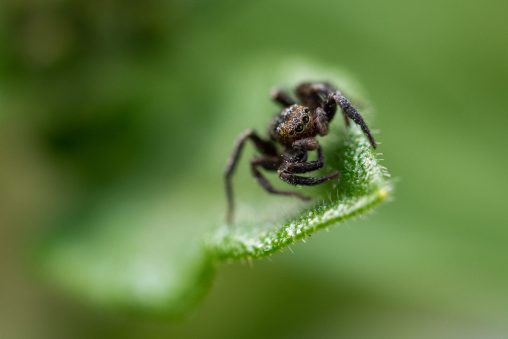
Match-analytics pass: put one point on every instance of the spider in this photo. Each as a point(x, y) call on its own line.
point(295, 128)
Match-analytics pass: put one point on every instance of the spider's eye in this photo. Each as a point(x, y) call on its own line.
point(299, 128)
point(306, 110)
point(305, 119)
point(291, 132)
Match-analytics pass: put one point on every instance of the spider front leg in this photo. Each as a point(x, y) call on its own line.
point(322, 121)
point(311, 92)
point(349, 111)
point(304, 167)
point(261, 145)
point(292, 166)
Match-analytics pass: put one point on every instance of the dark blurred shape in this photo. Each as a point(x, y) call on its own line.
point(52, 51)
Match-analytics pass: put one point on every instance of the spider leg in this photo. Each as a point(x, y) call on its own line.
point(292, 179)
point(349, 111)
point(332, 98)
point(304, 167)
point(270, 164)
point(265, 147)
point(312, 94)
point(293, 164)
point(322, 121)
point(283, 98)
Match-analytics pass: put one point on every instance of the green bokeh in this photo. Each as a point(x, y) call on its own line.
point(104, 103)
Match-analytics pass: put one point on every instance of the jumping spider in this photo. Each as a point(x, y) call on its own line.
point(295, 128)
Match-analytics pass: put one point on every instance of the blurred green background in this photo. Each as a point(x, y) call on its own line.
point(106, 104)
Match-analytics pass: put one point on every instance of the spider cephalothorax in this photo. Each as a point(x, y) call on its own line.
point(295, 128)
point(293, 123)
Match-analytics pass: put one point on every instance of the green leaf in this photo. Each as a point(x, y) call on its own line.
point(130, 255)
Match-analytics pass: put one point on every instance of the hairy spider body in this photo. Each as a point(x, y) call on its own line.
point(295, 128)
